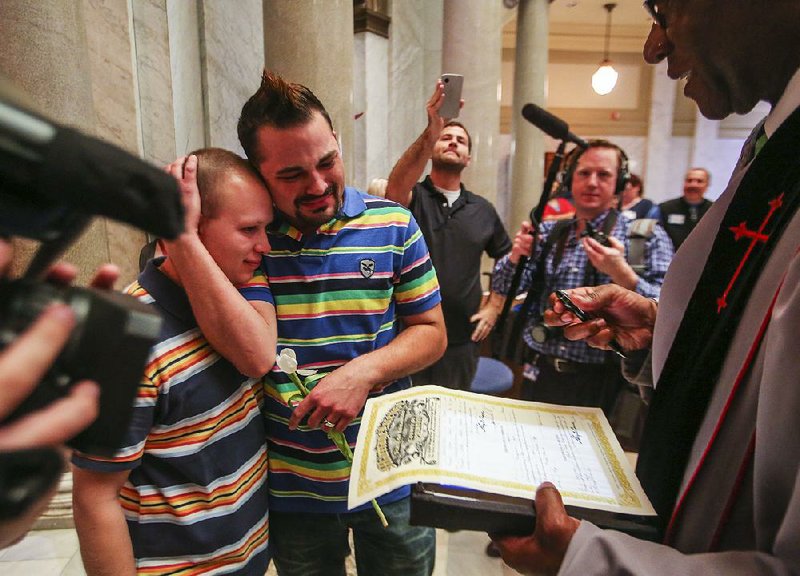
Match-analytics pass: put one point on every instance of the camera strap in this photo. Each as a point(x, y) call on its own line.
point(512, 341)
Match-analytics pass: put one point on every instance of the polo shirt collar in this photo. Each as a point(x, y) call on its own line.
point(596, 222)
point(353, 205)
point(466, 195)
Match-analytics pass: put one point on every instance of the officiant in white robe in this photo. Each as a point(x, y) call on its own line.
point(732, 506)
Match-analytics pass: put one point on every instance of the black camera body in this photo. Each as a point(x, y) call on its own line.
point(53, 180)
point(110, 345)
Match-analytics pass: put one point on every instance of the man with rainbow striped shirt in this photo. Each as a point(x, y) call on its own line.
point(356, 298)
point(188, 492)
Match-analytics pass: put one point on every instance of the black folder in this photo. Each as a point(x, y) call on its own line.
point(454, 508)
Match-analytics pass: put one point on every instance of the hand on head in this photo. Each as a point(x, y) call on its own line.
point(184, 170)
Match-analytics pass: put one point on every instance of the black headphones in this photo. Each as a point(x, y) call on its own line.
point(623, 173)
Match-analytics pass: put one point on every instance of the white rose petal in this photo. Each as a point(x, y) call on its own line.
point(287, 361)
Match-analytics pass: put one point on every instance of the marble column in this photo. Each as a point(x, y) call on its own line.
point(187, 105)
point(370, 96)
point(472, 47)
point(115, 94)
point(151, 33)
point(312, 43)
point(659, 135)
point(232, 59)
point(530, 74)
point(73, 59)
point(46, 54)
point(415, 39)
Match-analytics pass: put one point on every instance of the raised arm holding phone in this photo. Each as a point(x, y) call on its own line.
point(458, 225)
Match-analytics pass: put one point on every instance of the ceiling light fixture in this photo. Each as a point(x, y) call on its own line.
point(605, 78)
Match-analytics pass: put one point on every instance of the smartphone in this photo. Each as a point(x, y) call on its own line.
point(451, 107)
point(583, 316)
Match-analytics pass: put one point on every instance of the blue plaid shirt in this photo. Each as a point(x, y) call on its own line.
point(571, 273)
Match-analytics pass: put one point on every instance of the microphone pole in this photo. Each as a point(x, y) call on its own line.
point(535, 217)
point(558, 129)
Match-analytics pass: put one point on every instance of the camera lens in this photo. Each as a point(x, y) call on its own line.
point(540, 333)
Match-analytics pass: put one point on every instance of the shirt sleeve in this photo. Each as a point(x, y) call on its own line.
point(142, 421)
point(417, 288)
point(658, 255)
point(257, 288)
point(500, 243)
point(504, 269)
point(596, 552)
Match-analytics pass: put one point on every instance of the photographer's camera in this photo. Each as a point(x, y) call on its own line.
point(109, 344)
point(541, 332)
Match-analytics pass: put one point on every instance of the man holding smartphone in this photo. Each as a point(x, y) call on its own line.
point(586, 250)
point(458, 226)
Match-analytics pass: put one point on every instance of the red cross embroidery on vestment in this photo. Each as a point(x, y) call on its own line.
point(742, 231)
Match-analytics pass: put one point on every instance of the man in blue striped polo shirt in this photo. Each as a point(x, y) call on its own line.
point(347, 271)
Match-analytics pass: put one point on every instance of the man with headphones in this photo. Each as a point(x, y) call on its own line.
point(586, 250)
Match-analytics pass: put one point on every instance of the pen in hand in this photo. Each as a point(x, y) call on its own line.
point(583, 316)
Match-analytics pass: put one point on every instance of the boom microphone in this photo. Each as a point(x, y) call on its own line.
point(550, 124)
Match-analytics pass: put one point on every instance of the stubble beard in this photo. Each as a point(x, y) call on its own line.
point(312, 220)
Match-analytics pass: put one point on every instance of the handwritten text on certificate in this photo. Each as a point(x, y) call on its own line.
point(433, 434)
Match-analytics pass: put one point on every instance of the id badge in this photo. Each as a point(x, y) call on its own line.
point(530, 371)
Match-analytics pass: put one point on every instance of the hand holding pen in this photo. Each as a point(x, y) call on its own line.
point(607, 317)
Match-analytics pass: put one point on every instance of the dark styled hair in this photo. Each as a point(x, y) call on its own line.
point(464, 128)
point(279, 104)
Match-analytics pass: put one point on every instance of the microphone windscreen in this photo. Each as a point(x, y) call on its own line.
point(546, 122)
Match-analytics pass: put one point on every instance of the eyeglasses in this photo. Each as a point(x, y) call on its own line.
point(658, 17)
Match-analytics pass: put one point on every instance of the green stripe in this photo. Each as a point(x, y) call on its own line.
point(308, 465)
point(365, 250)
point(413, 239)
point(336, 296)
point(426, 278)
point(306, 494)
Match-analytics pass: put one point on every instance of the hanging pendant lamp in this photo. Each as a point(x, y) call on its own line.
point(605, 78)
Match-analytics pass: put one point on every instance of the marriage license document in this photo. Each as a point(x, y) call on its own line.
point(491, 444)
